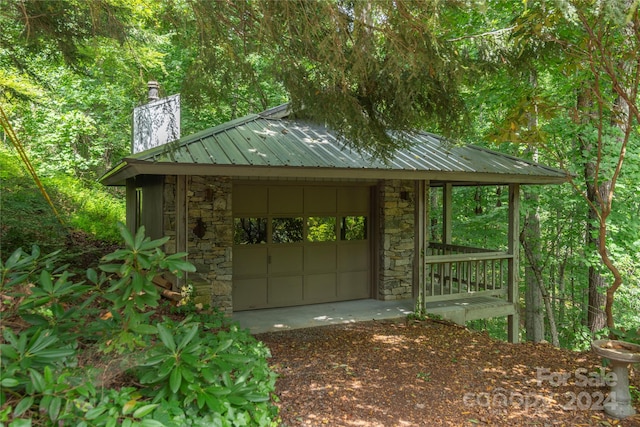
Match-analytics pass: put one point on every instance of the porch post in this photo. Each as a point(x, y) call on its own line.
point(132, 206)
point(181, 219)
point(447, 207)
point(420, 241)
point(513, 273)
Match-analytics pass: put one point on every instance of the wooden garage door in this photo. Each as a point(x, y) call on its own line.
point(296, 245)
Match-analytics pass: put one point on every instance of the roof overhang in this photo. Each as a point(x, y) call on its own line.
point(130, 168)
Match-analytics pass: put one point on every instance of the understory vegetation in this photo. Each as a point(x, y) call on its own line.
point(104, 350)
point(27, 219)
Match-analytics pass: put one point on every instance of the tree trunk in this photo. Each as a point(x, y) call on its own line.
point(596, 318)
point(534, 316)
point(530, 237)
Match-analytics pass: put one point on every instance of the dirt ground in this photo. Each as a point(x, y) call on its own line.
point(384, 373)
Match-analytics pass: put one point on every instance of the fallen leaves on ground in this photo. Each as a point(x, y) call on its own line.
point(385, 373)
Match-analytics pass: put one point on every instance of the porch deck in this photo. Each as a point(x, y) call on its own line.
point(459, 310)
point(308, 316)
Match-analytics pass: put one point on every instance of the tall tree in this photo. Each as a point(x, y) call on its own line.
point(596, 317)
point(531, 241)
point(595, 37)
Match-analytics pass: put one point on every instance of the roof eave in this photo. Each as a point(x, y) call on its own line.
point(131, 167)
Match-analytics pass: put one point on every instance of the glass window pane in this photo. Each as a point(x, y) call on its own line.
point(249, 231)
point(353, 228)
point(321, 229)
point(286, 230)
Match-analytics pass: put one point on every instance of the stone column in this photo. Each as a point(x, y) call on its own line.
point(397, 218)
point(210, 239)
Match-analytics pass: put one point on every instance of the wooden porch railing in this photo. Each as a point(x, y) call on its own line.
point(454, 271)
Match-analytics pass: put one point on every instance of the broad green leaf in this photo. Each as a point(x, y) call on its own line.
point(128, 407)
point(189, 355)
point(92, 275)
point(48, 374)
point(144, 329)
point(45, 281)
point(213, 403)
point(218, 391)
point(54, 408)
point(21, 423)
point(23, 406)
point(226, 379)
point(186, 339)
point(13, 259)
point(94, 413)
point(137, 282)
point(237, 400)
point(138, 239)
point(154, 360)
point(56, 354)
point(45, 402)
point(8, 351)
point(145, 410)
point(126, 234)
point(9, 382)
point(110, 268)
point(35, 319)
point(152, 244)
point(256, 398)
point(41, 341)
point(167, 367)
point(224, 345)
point(167, 337)
point(175, 379)
point(188, 375)
point(37, 380)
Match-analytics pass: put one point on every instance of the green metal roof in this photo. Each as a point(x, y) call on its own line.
point(270, 145)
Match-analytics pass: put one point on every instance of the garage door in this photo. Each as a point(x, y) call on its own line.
point(296, 245)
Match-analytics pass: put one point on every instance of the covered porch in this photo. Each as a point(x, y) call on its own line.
point(464, 283)
point(455, 282)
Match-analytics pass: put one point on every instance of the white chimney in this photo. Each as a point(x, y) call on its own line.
point(157, 122)
point(153, 90)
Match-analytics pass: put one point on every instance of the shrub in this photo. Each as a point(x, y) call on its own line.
point(94, 352)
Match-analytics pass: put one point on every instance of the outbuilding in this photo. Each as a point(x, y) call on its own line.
point(275, 211)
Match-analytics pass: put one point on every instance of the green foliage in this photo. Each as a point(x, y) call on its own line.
point(132, 291)
point(58, 346)
point(321, 229)
point(213, 372)
point(495, 327)
point(89, 206)
point(26, 218)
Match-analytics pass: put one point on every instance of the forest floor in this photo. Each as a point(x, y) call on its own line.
point(432, 373)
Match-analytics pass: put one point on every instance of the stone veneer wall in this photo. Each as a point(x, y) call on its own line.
point(396, 239)
point(209, 215)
